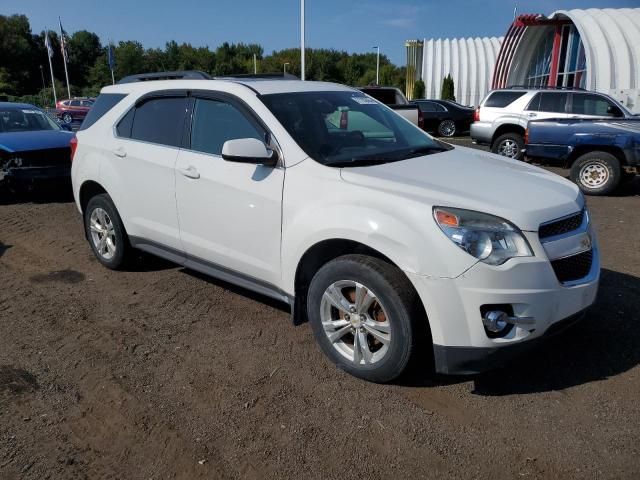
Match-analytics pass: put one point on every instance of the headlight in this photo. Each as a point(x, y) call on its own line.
point(490, 239)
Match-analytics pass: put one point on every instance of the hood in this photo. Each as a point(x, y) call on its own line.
point(35, 140)
point(523, 194)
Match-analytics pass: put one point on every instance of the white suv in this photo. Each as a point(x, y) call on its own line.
point(501, 119)
point(388, 241)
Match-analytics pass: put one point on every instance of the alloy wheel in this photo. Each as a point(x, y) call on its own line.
point(447, 128)
point(103, 233)
point(355, 322)
point(508, 148)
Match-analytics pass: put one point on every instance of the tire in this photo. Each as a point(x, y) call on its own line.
point(596, 173)
point(509, 145)
point(447, 128)
point(394, 312)
point(67, 118)
point(100, 213)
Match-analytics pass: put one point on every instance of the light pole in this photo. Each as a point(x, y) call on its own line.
point(377, 66)
point(302, 42)
point(284, 67)
point(255, 64)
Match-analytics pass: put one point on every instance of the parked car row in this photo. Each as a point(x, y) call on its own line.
point(73, 109)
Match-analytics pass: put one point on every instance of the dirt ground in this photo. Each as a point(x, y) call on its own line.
point(158, 372)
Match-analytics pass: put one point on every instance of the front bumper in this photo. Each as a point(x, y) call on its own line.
point(33, 174)
point(528, 285)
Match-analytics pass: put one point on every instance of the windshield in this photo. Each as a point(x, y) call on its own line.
point(348, 128)
point(25, 120)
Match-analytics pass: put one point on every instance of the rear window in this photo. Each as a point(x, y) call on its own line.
point(502, 99)
point(384, 95)
point(102, 105)
point(160, 120)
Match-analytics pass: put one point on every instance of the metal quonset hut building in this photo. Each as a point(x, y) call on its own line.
point(596, 49)
point(470, 61)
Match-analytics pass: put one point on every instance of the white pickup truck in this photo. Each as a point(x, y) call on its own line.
point(394, 99)
point(389, 242)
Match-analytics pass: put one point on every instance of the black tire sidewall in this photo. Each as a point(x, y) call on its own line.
point(516, 137)
point(351, 268)
point(104, 201)
point(609, 161)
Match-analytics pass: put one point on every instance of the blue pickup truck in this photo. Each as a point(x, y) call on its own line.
point(601, 153)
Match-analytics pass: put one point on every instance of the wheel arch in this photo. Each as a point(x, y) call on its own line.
point(507, 128)
point(581, 150)
point(88, 190)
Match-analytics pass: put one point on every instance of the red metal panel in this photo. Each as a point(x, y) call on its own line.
point(555, 56)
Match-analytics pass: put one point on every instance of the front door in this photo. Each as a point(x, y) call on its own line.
point(230, 213)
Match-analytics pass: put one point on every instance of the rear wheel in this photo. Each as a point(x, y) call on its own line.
point(67, 118)
point(596, 173)
point(105, 232)
point(509, 145)
point(447, 128)
point(362, 311)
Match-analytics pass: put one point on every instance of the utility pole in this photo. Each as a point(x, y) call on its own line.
point(255, 64)
point(302, 40)
point(377, 66)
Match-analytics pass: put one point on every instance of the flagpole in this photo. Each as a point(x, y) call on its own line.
point(53, 82)
point(64, 57)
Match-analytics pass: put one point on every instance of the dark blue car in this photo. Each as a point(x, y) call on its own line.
point(601, 153)
point(33, 147)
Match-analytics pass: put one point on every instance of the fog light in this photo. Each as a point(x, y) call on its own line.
point(495, 321)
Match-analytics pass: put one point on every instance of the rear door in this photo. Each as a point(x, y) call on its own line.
point(590, 105)
point(230, 213)
point(145, 152)
point(547, 105)
point(431, 114)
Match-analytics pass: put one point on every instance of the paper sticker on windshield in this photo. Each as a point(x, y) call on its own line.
point(29, 111)
point(364, 100)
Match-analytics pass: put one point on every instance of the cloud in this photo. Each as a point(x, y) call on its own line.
point(400, 22)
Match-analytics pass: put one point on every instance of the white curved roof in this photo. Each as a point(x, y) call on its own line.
point(611, 38)
point(470, 61)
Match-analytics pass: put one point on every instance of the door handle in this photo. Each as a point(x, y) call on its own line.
point(190, 172)
point(120, 152)
point(532, 115)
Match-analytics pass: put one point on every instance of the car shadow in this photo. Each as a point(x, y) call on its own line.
point(605, 344)
point(49, 192)
point(250, 294)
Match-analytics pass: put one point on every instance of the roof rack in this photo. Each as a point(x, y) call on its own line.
point(541, 87)
point(258, 76)
point(178, 75)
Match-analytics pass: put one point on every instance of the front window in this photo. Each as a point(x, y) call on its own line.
point(348, 128)
point(25, 120)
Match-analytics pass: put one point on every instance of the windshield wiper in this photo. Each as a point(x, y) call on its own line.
point(359, 161)
point(426, 150)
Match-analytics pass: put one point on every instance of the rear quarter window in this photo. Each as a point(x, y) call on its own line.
point(102, 105)
point(502, 99)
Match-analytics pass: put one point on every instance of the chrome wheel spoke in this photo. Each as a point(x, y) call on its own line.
point(364, 298)
point(338, 334)
point(366, 354)
point(333, 325)
point(334, 296)
point(378, 330)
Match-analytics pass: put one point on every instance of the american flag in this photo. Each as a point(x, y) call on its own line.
point(63, 42)
point(47, 44)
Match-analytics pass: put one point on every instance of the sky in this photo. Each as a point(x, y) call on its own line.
point(354, 26)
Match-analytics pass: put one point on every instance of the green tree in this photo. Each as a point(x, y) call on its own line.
point(418, 89)
point(448, 89)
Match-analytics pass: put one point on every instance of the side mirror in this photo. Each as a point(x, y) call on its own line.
point(249, 150)
point(614, 111)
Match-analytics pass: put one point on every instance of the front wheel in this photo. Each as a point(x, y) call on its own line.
point(596, 173)
point(509, 145)
point(362, 311)
point(447, 128)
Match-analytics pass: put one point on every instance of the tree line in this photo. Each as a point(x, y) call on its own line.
point(24, 66)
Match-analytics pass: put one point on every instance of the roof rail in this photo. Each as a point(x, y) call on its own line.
point(178, 75)
point(258, 76)
point(541, 87)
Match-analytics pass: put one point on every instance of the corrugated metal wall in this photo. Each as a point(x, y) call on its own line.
point(470, 61)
